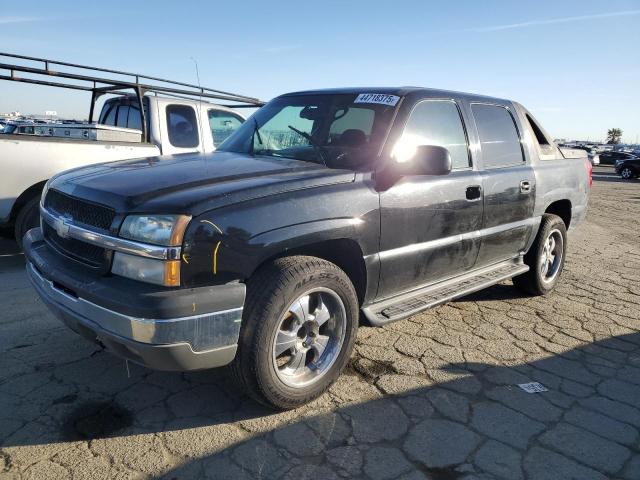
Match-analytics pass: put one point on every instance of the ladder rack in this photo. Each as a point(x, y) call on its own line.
point(93, 80)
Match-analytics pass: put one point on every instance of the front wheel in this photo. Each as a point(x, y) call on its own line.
point(298, 330)
point(545, 258)
point(627, 173)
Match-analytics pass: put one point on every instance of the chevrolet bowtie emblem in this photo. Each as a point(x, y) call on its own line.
point(62, 228)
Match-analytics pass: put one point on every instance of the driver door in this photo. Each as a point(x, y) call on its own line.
point(429, 224)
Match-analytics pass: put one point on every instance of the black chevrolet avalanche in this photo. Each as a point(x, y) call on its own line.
point(324, 209)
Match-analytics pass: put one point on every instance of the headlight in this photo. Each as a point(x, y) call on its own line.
point(165, 230)
point(149, 270)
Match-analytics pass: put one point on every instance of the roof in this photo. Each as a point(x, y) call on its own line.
point(400, 91)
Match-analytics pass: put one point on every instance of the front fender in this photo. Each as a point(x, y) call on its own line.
point(229, 244)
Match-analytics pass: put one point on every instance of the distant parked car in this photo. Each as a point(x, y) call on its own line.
point(24, 130)
point(628, 168)
point(610, 158)
point(10, 128)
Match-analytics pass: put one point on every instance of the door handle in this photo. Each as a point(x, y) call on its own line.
point(474, 192)
point(525, 187)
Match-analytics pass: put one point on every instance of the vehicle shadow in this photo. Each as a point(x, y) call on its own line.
point(373, 420)
point(442, 430)
point(500, 291)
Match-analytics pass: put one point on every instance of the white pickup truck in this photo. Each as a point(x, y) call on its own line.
point(181, 122)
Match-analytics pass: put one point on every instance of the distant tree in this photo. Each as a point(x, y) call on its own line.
point(614, 135)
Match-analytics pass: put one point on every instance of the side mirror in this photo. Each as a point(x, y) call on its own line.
point(424, 160)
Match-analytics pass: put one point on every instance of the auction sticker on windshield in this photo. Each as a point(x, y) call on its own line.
point(381, 98)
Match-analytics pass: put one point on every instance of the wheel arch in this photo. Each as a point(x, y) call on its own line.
point(31, 192)
point(343, 252)
point(561, 208)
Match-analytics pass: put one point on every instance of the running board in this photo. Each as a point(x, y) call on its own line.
point(416, 301)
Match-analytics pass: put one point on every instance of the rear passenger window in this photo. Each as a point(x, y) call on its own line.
point(223, 124)
point(123, 113)
point(499, 138)
point(182, 126)
point(437, 122)
point(135, 119)
point(110, 116)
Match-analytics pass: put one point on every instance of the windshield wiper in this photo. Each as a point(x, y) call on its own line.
point(256, 133)
point(316, 146)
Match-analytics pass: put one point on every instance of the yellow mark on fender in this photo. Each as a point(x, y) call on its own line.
point(194, 307)
point(215, 258)
point(212, 224)
point(184, 258)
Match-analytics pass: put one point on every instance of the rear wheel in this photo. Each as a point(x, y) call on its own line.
point(545, 258)
point(28, 218)
point(298, 330)
point(627, 173)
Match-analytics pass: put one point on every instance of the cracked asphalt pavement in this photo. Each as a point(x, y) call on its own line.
point(435, 396)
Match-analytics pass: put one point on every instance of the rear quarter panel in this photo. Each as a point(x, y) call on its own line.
point(559, 176)
point(563, 179)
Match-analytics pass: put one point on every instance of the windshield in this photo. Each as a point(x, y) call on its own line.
point(340, 131)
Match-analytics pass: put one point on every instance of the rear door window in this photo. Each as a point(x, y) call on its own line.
point(223, 124)
point(182, 126)
point(498, 134)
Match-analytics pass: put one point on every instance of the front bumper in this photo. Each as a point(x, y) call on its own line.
point(164, 329)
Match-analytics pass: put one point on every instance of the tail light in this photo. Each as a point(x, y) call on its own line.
point(589, 171)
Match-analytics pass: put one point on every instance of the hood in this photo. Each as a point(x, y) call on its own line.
point(192, 183)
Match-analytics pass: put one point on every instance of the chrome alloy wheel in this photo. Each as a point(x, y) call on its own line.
point(309, 337)
point(551, 257)
point(626, 173)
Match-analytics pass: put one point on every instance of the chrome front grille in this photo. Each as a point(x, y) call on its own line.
point(79, 210)
point(86, 253)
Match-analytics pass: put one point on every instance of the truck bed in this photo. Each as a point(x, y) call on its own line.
point(30, 159)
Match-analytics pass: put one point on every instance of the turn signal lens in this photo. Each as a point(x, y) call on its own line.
point(172, 273)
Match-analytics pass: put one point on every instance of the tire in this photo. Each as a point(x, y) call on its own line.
point(627, 173)
point(538, 280)
point(28, 218)
point(272, 311)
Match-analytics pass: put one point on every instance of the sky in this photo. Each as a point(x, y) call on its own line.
point(574, 64)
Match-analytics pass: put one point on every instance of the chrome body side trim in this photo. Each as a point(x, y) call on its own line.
point(202, 332)
point(66, 228)
point(442, 242)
